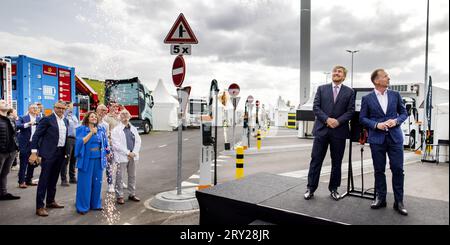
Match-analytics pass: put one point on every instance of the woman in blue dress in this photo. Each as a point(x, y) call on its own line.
point(91, 149)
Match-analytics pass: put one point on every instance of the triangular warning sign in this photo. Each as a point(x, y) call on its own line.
point(181, 32)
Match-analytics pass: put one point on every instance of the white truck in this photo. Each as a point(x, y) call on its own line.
point(195, 109)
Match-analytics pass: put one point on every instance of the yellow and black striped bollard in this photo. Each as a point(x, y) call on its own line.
point(258, 139)
point(239, 162)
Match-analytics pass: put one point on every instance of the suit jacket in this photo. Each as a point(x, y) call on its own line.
point(25, 133)
point(82, 152)
point(371, 113)
point(325, 107)
point(46, 136)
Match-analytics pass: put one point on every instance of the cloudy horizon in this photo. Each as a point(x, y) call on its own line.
point(249, 42)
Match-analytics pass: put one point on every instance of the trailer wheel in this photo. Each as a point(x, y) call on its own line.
point(147, 127)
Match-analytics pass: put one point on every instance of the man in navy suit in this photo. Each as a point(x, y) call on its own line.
point(49, 141)
point(27, 126)
point(334, 105)
point(382, 112)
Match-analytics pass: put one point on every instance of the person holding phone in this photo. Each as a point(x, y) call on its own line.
point(91, 149)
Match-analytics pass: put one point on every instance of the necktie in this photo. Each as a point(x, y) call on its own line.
point(335, 92)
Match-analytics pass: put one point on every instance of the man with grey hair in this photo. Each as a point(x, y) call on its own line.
point(49, 141)
point(102, 112)
point(126, 144)
point(27, 125)
point(8, 149)
point(70, 159)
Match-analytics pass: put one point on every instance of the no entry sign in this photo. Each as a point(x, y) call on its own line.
point(250, 99)
point(178, 71)
point(234, 90)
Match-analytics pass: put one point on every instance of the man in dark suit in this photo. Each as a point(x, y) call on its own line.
point(8, 149)
point(27, 126)
point(49, 141)
point(382, 112)
point(334, 105)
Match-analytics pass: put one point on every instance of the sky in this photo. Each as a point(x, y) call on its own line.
point(254, 43)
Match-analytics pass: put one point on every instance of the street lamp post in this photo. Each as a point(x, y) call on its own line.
point(352, 52)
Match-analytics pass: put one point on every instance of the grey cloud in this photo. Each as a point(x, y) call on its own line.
point(380, 40)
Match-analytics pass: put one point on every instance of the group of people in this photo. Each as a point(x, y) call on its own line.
point(59, 142)
point(382, 112)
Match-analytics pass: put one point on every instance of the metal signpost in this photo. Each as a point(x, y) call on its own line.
point(180, 36)
point(257, 108)
point(214, 88)
point(234, 90)
point(248, 108)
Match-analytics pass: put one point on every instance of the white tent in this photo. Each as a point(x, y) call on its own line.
point(165, 109)
point(281, 113)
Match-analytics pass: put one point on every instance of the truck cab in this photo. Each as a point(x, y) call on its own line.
point(135, 97)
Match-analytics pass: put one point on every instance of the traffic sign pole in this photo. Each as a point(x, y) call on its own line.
point(180, 145)
point(257, 121)
point(234, 90)
point(180, 140)
point(249, 106)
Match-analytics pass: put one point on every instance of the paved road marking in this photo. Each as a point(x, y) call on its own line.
point(194, 176)
point(161, 146)
point(186, 139)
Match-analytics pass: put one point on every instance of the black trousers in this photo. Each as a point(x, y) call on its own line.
point(50, 169)
point(319, 151)
point(70, 160)
point(396, 158)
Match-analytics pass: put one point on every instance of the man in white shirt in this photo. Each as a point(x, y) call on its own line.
point(126, 143)
point(382, 113)
point(49, 141)
point(70, 160)
point(27, 126)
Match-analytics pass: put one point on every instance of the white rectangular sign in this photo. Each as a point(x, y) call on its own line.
point(183, 49)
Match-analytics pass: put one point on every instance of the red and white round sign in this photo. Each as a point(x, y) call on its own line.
point(234, 90)
point(250, 99)
point(178, 71)
point(257, 103)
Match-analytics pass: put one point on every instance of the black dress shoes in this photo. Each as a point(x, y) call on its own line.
point(335, 195)
point(8, 196)
point(400, 208)
point(308, 194)
point(378, 203)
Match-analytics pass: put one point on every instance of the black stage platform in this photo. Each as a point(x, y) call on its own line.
point(279, 200)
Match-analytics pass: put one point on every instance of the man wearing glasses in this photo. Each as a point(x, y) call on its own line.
point(49, 142)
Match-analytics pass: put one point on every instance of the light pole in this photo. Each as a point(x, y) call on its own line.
point(326, 76)
point(352, 52)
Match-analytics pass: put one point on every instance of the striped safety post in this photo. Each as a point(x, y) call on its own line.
point(258, 139)
point(291, 120)
point(239, 162)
